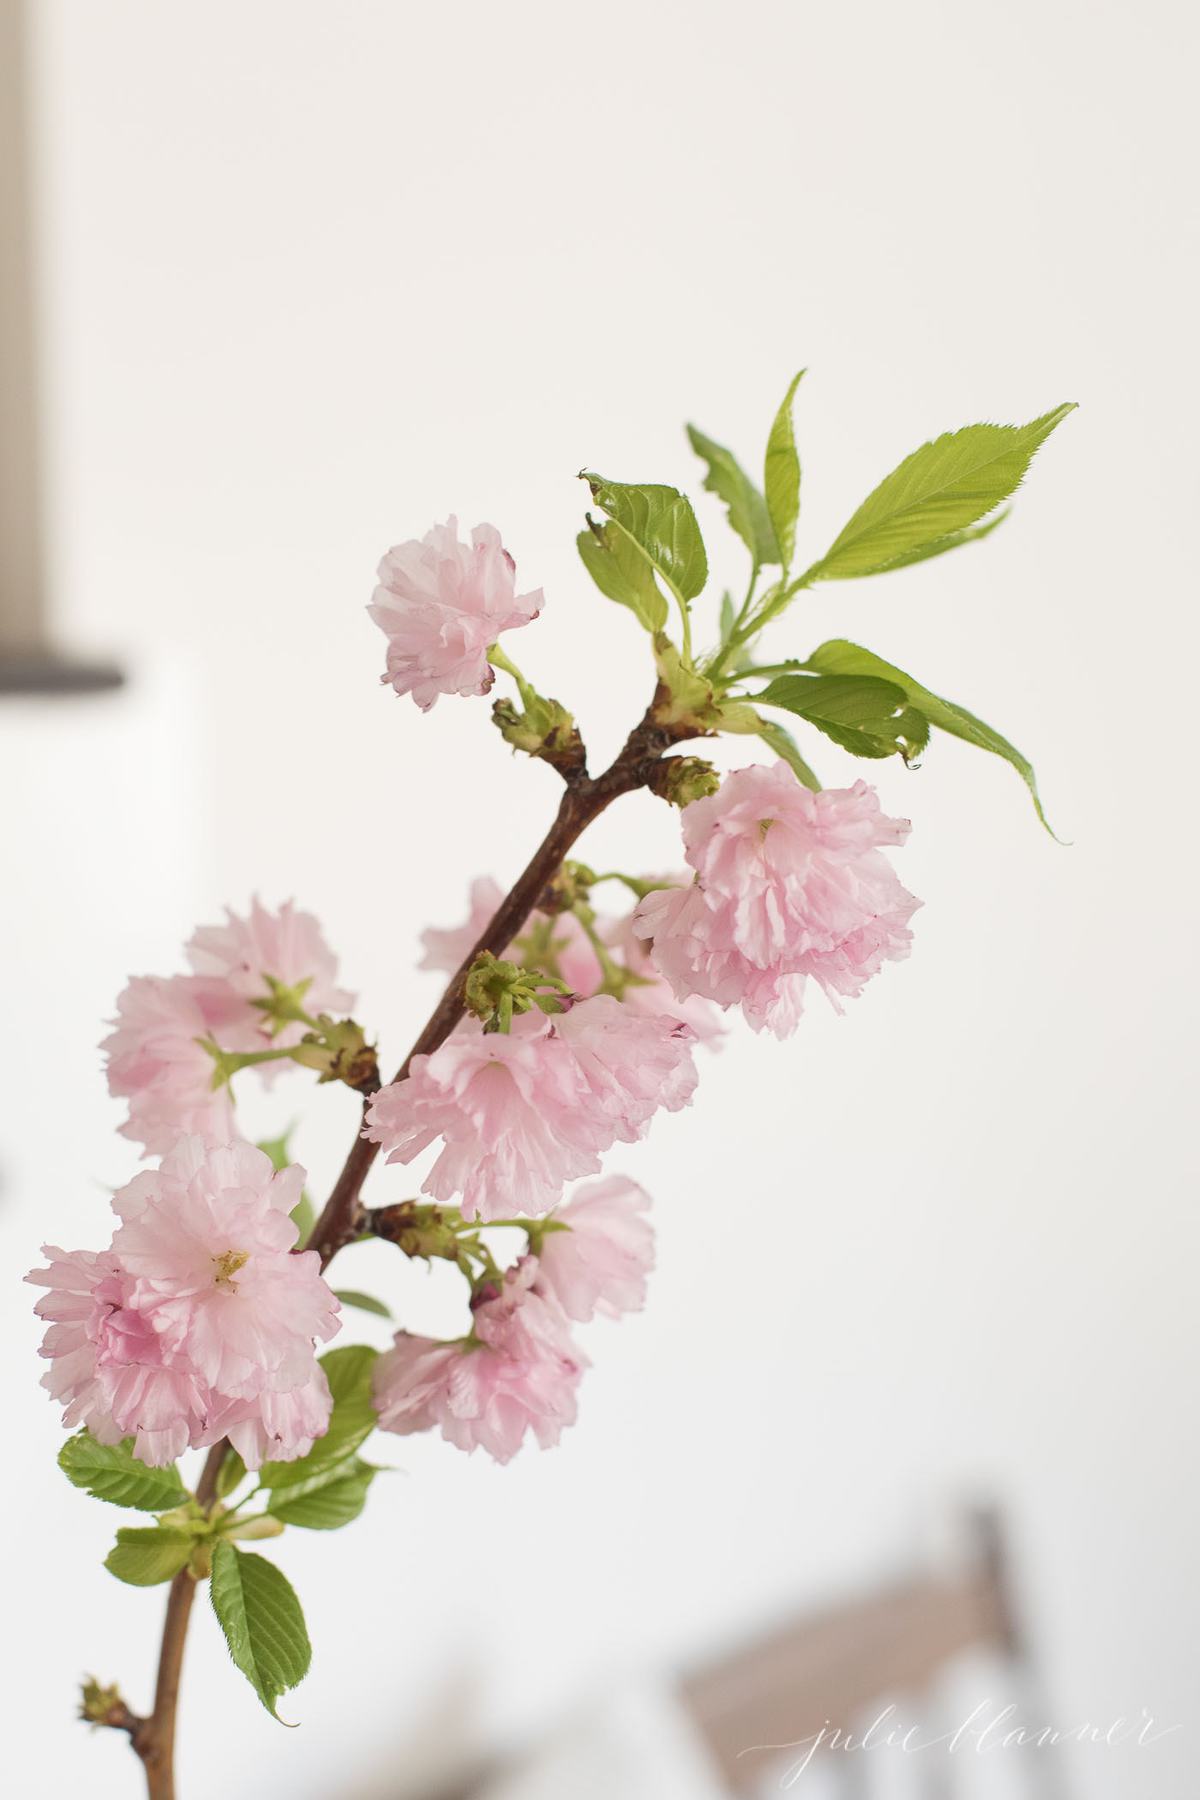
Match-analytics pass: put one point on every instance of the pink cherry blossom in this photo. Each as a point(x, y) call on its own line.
point(237, 957)
point(599, 1264)
point(157, 1063)
point(208, 1239)
point(510, 1109)
point(521, 1113)
point(789, 885)
point(518, 1374)
point(112, 1368)
point(441, 603)
point(197, 1322)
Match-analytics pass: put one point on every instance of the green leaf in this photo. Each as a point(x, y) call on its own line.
point(261, 1617)
point(781, 477)
point(660, 522)
point(329, 1500)
point(364, 1302)
point(784, 745)
point(621, 572)
point(351, 1422)
point(231, 1474)
point(111, 1472)
point(952, 541)
point(935, 493)
point(747, 509)
point(144, 1556)
point(839, 656)
point(865, 715)
point(304, 1217)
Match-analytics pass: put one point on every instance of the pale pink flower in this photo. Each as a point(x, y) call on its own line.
point(521, 1113)
point(157, 1062)
point(511, 1110)
point(238, 956)
point(112, 1366)
point(652, 992)
point(789, 885)
point(447, 947)
point(600, 1263)
point(631, 1063)
point(441, 604)
point(518, 1374)
point(208, 1240)
point(274, 1427)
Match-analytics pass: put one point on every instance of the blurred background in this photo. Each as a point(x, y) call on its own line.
point(308, 277)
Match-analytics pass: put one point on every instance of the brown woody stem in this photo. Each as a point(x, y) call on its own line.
point(584, 799)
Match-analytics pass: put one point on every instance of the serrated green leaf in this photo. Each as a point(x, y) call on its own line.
point(660, 522)
point(144, 1556)
point(351, 1421)
point(325, 1504)
point(746, 506)
point(263, 1623)
point(364, 1302)
point(952, 541)
point(781, 476)
point(621, 572)
point(111, 1472)
point(935, 493)
point(865, 715)
point(840, 656)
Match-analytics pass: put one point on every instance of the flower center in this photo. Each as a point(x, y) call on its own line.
point(764, 825)
point(227, 1266)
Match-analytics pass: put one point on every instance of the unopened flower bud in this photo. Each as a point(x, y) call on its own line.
point(682, 779)
point(544, 729)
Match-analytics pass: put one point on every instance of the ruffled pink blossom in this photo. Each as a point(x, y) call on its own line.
point(208, 1239)
point(507, 1106)
point(789, 885)
point(521, 1113)
point(518, 1374)
point(599, 1264)
point(157, 1062)
point(441, 604)
point(197, 1322)
point(286, 945)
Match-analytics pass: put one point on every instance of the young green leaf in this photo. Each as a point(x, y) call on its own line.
point(261, 1617)
point(621, 572)
point(784, 745)
point(660, 522)
point(781, 477)
point(111, 1472)
point(935, 493)
point(231, 1474)
point(325, 1505)
point(865, 715)
point(747, 509)
point(841, 657)
point(364, 1302)
point(351, 1422)
point(145, 1556)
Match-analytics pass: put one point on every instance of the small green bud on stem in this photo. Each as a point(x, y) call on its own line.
point(682, 779)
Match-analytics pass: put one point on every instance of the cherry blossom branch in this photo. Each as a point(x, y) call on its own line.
point(343, 1219)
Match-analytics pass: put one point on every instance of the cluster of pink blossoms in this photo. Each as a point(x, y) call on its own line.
point(789, 885)
point(156, 1054)
point(518, 1370)
point(199, 1321)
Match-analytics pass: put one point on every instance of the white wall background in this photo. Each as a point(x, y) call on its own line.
point(315, 275)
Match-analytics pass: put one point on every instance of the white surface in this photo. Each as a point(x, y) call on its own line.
point(316, 275)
